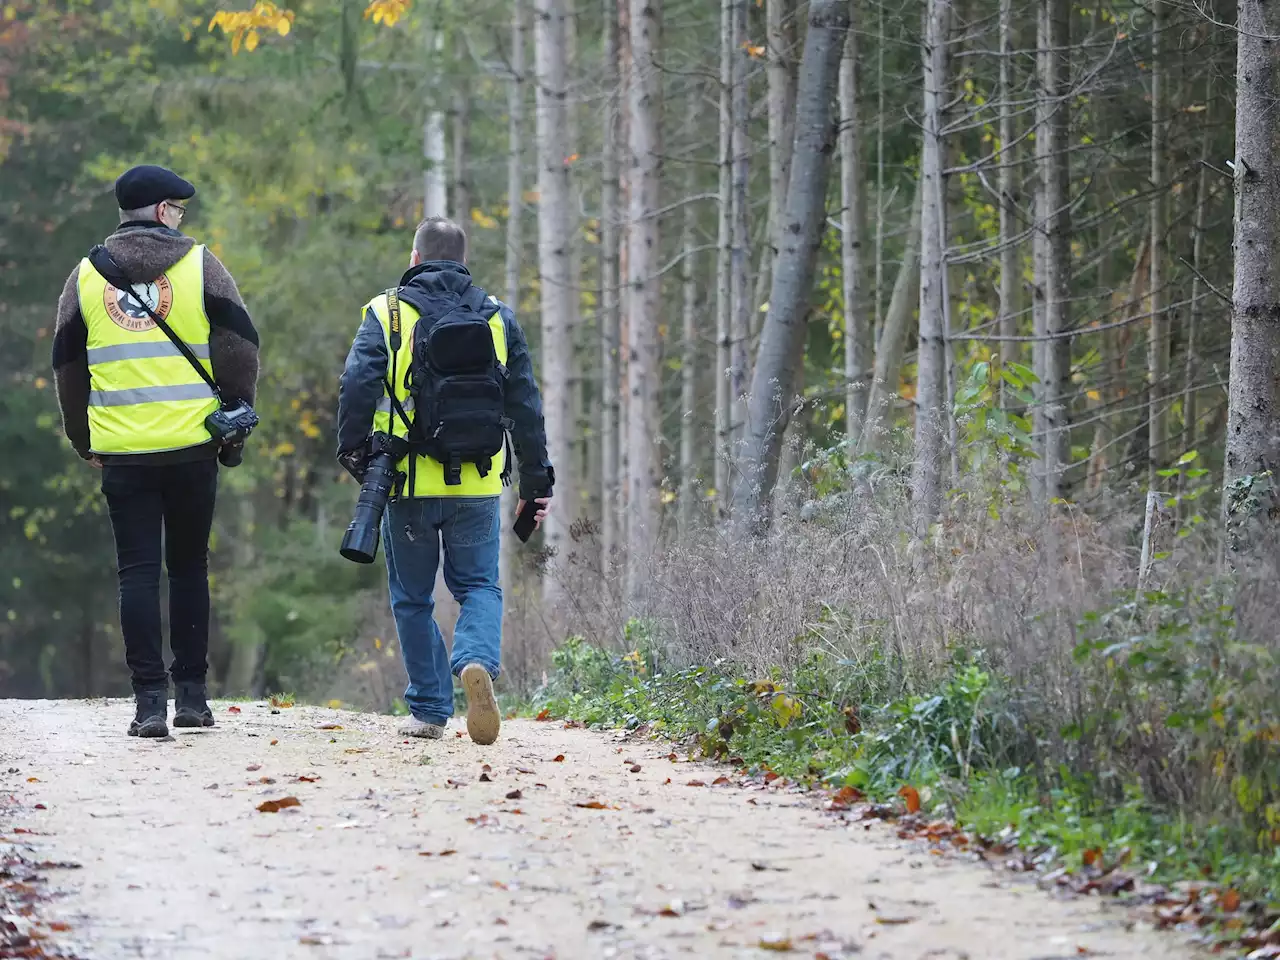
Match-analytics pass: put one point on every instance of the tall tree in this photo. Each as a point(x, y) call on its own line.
point(931, 417)
point(461, 138)
point(1253, 415)
point(515, 214)
point(688, 344)
point(780, 16)
point(435, 185)
point(609, 287)
point(1010, 254)
point(1051, 244)
point(558, 295)
point(724, 258)
point(644, 104)
point(778, 362)
point(1158, 387)
point(740, 231)
point(859, 342)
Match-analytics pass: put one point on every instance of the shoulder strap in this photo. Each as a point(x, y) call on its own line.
point(394, 341)
point(102, 261)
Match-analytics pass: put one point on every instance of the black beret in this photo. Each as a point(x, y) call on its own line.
point(143, 186)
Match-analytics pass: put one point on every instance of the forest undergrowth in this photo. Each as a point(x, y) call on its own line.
point(1009, 674)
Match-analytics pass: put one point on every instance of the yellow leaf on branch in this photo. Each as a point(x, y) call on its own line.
point(386, 12)
point(242, 26)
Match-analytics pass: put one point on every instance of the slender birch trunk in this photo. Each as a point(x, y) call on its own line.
point(1010, 254)
point(859, 347)
point(461, 142)
point(689, 347)
point(435, 186)
point(780, 39)
point(644, 103)
point(609, 290)
point(740, 294)
point(555, 271)
point(1052, 250)
point(1158, 342)
point(926, 479)
point(724, 256)
point(515, 240)
point(1190, 395)
point(776, 379)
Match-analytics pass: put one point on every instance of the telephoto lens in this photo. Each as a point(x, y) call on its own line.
point(360, 542)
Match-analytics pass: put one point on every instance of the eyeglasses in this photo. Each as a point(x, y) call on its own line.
point(182, 211)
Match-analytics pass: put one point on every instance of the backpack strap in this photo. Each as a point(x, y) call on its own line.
point(453, 471)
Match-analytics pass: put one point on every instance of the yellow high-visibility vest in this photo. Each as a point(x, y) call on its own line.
point(428, 474)
point(144, 396)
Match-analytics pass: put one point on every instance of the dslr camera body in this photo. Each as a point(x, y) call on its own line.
point(230, 425)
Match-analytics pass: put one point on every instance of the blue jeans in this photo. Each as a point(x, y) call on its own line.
point(412, 533)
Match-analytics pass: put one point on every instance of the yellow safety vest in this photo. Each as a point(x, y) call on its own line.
point(144, 396)
point(428, 474)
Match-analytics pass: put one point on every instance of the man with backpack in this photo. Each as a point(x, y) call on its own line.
point(442, 369)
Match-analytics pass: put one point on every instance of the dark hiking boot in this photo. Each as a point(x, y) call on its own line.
point(190, 708)
point(153, 707)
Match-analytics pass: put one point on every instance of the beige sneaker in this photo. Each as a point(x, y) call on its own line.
point(483, 718)
point(413, 727)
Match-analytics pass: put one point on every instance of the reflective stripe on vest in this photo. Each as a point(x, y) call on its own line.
point(144, 397)
point(428, 474)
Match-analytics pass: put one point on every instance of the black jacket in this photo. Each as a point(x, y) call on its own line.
point(366, 370)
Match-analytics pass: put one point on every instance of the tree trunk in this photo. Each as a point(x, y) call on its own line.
point(739, 288)
point(554, 269)
point(1052, 250)
point(724, 256)
point(644, 103)
point(515, 214)
point(1253, 421)
point(879, 296)
point(926, 477)
point(689, 347)
point(774, 383)
point(893, 336)
point(462, 142)
point(1190, 395)
point(435, 191)
point(859, 347)
point(609, 345)
point(1158, 342)
point(781, 40)
point(1010, 259)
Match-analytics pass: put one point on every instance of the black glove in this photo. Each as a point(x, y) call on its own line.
point(356, 461)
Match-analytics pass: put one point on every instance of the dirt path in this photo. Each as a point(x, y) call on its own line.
point(178, 863)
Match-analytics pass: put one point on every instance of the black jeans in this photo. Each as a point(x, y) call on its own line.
point(144, 501)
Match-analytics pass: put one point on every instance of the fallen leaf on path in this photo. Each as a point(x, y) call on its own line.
point(776, 942)
point(543, 715)
point(695, 783)
point(720, 781)
point(912, 796)
point(844, 797)
point(558, 758)
point(442, 853)
point(485, 778)
point(760, 865)
point(356, 750)
point(253, 766)
point(41, 806)
point(1230, 901)
point(673, 909)
point(524, 770)
point(574, 724)
point(455, 783)
point(484, 820)
point(329, 726)
point(33, 779)
point(672, 757)
point(262, 780)
point(890, 920)
point(274, 742)
point(211, 786)
point(275, 806)
point(233, 709)
point(305, 779)
point(666, 781)
point(514, 795)
point(635, 768)
point(1091, 856)
point(316, 940)
point(595, 805)
point(458, 734)
point(596, 926)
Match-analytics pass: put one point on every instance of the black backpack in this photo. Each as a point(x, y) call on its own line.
point(457, 384)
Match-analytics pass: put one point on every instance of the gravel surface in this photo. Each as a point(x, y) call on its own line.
point(559, 848)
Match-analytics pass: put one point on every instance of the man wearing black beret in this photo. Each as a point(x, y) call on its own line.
point(135, 407)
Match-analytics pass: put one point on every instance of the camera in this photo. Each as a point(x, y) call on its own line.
point(230, 425)
point(360, 542)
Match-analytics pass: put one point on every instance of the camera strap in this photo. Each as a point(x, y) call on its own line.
point(105, 264)
point(393, 342)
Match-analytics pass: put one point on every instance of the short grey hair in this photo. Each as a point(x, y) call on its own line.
point(142, 213)
point(439, 238)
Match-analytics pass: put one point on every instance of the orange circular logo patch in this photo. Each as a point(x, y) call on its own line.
point(127, 312)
